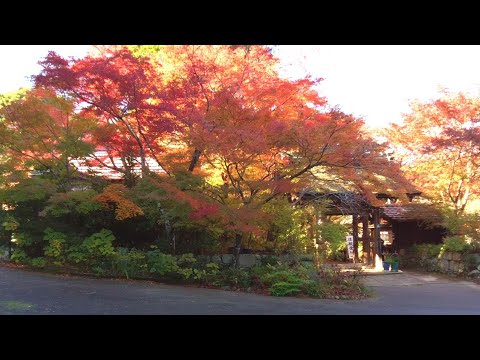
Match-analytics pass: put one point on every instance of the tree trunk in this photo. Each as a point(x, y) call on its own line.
point(168, 230)
point(195, 157)
point(174, 242)
point(237, 248)
point(143, 162)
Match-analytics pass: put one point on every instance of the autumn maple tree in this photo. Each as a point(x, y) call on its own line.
point(40, 131)
point(258, 136)
point(438, 144)
point(224, 133)
point(120, 91)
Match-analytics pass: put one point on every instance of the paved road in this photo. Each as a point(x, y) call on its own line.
point(23, 292)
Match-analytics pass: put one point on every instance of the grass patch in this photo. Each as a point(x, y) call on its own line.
point(15, 305)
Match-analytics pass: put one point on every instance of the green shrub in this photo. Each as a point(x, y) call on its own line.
point(282, 280)
point(19, 256)
point(183, 267)
point(9, 223)
point(130, 263)
point(334, 235)
point(283, 288)
point(207, 274)
point(287, 231)
point(161, 264)
point(3, 251)
point(74, 203)
point(233, 277)
point(466, 224)
point(186, 260)
point(470, 262)
point(55, 248)
point(282, 273)
point(269, 260)
point(39, 262)
point(99, 245)
point(23, 240)
point(336, 284)
point(427, 250)
point(96, 251)
point(98, 270)
point(314, 288)
point(455, 244)
point(76, 254)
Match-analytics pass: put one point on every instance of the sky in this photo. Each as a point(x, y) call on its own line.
point(375, 82)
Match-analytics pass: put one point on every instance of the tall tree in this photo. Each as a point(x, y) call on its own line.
point(40, 131)
point(221, 115)
point(119, 90)
point(439, 145)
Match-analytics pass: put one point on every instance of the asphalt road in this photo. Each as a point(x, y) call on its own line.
point(23, 292)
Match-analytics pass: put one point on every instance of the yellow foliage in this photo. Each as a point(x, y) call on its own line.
point(113, 198)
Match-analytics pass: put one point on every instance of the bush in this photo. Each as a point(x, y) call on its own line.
point(161, 264)
point(282, 273)
point(314, 289)
point(470, 262)
point(98, 270)
point(206, 274)
point(465, 224)
point(269, 260)
point(283, 280)
point(99, 245)
point(96, 251)
point(336, 284)
point(130, 263)
point(3, 252)
point(427, 250)
point(19, 256)
point(286, 231)
point(233, 277)
point(283, 288)
point(455, 244)
point(186, 260)
point(55, 248)
point(76, 254)
point(334, 235)
point(39, 262)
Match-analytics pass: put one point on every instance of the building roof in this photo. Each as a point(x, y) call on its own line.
point(339, 203)
point(351, 203)
point(411, 212)
point(95, 167)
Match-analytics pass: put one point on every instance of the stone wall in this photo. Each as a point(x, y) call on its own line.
point(249, 260)
point(474, 260)
point(452, 263)
point(3, 254)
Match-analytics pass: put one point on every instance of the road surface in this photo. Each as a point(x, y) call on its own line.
point(24, 292)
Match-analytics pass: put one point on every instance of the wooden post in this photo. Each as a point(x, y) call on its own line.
point(365, 240)
point(376, 239)
point(314, 230)
point(355, 238)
